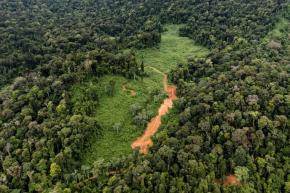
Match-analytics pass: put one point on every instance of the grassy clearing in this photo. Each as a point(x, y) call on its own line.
point(115, 110)
point(173, 49)
point(281, 29)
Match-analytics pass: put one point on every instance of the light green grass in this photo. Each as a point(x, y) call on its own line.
point(281, 28)
point(172, 50)
point(114, 110)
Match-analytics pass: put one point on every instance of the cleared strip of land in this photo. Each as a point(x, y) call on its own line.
point(113, 113)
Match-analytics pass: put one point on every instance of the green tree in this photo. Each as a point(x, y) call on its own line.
point(55, 170)
point(242, 173)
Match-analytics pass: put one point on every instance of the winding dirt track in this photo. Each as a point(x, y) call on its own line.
point(144, 142)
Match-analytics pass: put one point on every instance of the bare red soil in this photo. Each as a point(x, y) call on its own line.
point(231, 180)
point(144, 142)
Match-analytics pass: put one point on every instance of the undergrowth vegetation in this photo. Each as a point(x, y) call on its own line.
point(120, 126)
point(80, 79)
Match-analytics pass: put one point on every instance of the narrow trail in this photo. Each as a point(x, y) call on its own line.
point(144, 142)
point(156, 70)
point(132, 92)
point(165, 82)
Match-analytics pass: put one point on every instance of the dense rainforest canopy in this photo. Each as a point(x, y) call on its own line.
point(231, 118)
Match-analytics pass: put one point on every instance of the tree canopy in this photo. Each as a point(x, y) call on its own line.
point(231, 116)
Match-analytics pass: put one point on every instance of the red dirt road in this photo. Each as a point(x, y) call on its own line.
point(144, 142)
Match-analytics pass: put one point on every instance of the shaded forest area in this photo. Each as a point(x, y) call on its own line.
point(232, 115)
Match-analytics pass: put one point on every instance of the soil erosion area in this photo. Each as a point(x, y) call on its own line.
point(144, 142)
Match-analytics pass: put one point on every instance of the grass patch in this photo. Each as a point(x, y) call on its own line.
point(281, 28)
point(115, 110)
point(172, 50)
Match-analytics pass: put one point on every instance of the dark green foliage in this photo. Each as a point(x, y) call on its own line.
point(232, 116)
point(33, 33)
point(219, 23)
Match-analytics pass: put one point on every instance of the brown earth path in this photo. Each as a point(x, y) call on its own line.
point(144, 142)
